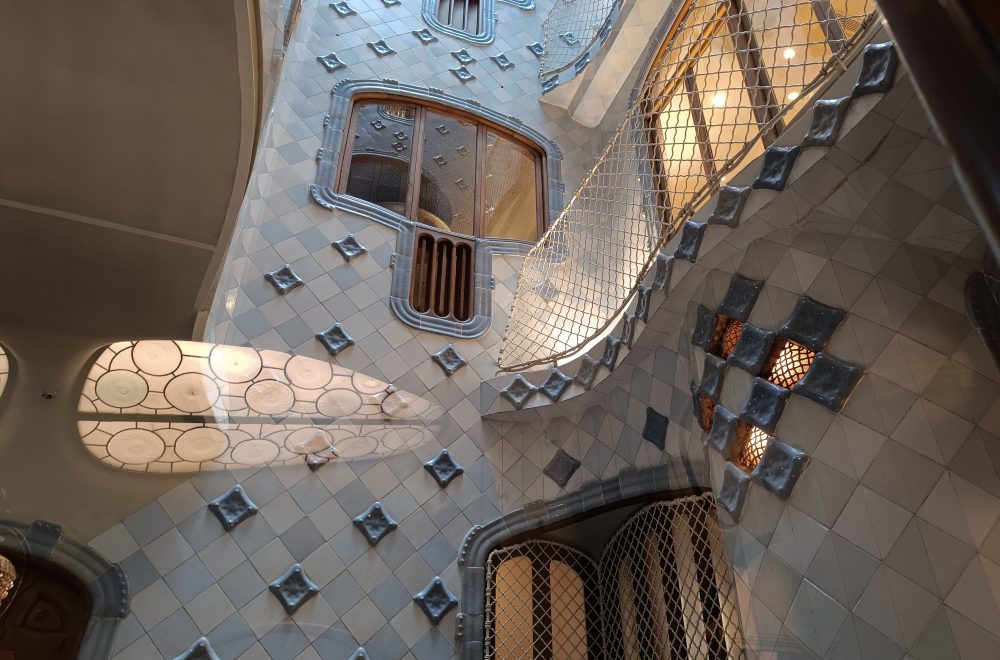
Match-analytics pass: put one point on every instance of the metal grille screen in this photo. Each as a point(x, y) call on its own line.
point(667, 587)
point(663, 590)
point(728, 77)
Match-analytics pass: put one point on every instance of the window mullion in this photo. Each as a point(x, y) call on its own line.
point(479, 178)
point(541, 605)
point(700, 125)
point(416, 163)
point(755, 76)
point(829, 23)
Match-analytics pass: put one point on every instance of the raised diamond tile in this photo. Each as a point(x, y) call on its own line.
point(284, 279)
point(449, 360)
point(425, 36)
point(331, 62)
point(712, 377)
point(780, 467)
point(443, 468)
point(375, 523)
point(776, 168)
point(722, 436)
point(610, 357)
point(518, 391)
point(878, 69)
point(555, 385)
point(764, 405)
point(463, 56)
point(587, 373)
point(752, 349)
point(233, 507)
point(691, 235)
point(561, 468)
point(435, 600)
point(655, 430)
point(381, 48)
point(200, 650)
point(343, 9)
point(740, 298)
point(664, 269)
point(335, 339)
point(829, 381)
point(811, 323)
point(537, 49)
point(293, 589)
point(704, 328)
point(463, 74)
point(733, 493)
point(349, 247)
point(502, 61)
point(827, 120)
point(729, 206)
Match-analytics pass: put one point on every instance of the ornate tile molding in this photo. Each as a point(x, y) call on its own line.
point(106, 582)
point(487, 13)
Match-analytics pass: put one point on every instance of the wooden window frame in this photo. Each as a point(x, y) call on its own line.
point(483, 126)
point(733, 17)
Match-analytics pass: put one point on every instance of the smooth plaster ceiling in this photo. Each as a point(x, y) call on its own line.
point(121, 125)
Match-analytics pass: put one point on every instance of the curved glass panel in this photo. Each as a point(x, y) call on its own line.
point(181, 406)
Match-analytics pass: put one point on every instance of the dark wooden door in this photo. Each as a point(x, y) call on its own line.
point(46, 618)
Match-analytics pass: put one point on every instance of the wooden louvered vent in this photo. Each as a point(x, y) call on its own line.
point(443, 268)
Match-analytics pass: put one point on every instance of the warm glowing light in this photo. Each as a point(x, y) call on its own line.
point(7, 576)
point(190, 406)
point(719, 99)
point(792, 96)
point(753, 448)
point(791, 365)
point(789, 53)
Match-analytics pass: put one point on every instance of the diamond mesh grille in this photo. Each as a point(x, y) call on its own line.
point(663, 590)
point(753, 441)
point(541, 602)
point(729, 77)
point(791, 364)
point(730, 336)
point(667, 587)
point(570, 28)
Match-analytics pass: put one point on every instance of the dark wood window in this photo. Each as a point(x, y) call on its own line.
point(441, 283)
point(738, 64)
point(444, 169)
point(464, 15)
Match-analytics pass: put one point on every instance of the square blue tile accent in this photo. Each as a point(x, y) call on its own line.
point(375, 523)
point(765, 404)
point(878, 69)
point(293, 589)
point(443, 468)
point(780, 467)
point(284, 279)
point(812, 323)
point(435, 600)
point(331, 62)
point(463, 56)
point(691, 235)
point(518, 391)
point(335, 339)
point(555, 385)
point(233, 507)
point(655, 430)
point(343, 9)
point(752, 349)
point(502, 61)
point(561, 468)
point(537, 49)
point(776, 168)
point(425, 36)
point(740, 297)
point(349, 247)
point(732, 495)
point(200, 650)
point(587, 373)
point(463, 74)
point(829, 381)
point(449, 360)
point(381, 48)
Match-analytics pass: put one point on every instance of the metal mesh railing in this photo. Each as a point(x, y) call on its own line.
point(570, 29)
point(728, 77)
point(541, 602)
point(667, 587)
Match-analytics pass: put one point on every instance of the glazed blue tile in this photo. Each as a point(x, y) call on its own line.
point(284, 279)
point(375, 523)
point(443, 468)
point(829, 381)
point(335, 339)
point(692, 234)
point(587, 373)
point(343, 9)
point(293, 589)
point(764, 405)
point(655, 430)
point(780, 467)
point(555, 385)
point(233, 507)
point(200, 650)
point(331, 62)
point(812, 323)
point(425, 36)
point(435, 600)
point(878, 69)
point(518, 391)
point(776, 168)
point(740, 297)
point(449, 360)
point(561, 468)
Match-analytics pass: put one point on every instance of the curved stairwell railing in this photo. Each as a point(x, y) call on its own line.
point(730, 75)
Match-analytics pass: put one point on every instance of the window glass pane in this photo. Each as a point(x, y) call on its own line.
point(728, 109)
point(380, 156)
point(569, 623)
point(514, 623)
point(511, 192)
point(679, 153)
point(792, 44)
point(448, 174)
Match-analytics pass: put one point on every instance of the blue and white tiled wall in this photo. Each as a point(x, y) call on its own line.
point(889, 545)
